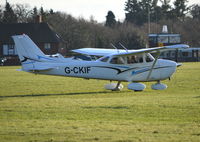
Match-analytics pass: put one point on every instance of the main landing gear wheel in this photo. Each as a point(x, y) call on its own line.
point(159, 86)
point(136, 86)
point(114, 86)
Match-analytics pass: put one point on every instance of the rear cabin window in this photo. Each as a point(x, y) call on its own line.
point(127, 60)
point(134, 59)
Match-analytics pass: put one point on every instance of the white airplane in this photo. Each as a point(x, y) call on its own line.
point(132, 66)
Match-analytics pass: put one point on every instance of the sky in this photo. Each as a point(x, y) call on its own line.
point(83, 8)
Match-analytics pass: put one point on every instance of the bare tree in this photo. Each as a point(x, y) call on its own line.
point(23, 12)
point(1, 13)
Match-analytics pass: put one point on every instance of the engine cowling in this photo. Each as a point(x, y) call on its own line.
point(158, 86)
point(136, 86)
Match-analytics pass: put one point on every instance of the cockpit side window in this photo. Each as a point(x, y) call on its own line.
point(149, 58)
point(117, 60)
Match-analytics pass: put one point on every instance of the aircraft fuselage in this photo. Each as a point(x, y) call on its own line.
point(162, 70)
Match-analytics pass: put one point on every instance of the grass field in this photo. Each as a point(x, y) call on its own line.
point(36, 108)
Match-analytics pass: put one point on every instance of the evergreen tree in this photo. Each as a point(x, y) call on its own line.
point(137, 11)
point(110, 19)
point(51, 11)
point(8, 14)
point(165, 9)
point(35, 11)
point(133, 11)
point(43, 14)
point(147, 9)
point(195, 11)
point(1, 14)
point(35, 14)
point(42, 11)
point(180, 9)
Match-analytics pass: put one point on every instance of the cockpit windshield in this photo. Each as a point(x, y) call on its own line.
point(149, 58)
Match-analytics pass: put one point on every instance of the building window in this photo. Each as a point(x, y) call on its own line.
point(175, 39)
point(163, 39)
point(172, 54)
point(9, 49)
point(47, 46)
point(185, 54)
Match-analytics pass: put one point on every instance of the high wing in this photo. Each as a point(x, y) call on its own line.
point(120, 52)
point(151, 50)
point(98, 51)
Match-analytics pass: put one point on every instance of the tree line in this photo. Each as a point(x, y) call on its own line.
point(132, 32)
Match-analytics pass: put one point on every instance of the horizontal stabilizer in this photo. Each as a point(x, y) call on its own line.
point(40, 66)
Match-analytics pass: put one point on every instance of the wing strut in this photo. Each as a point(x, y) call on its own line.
point(123, 46)
point(156, 58)
point(115, 47)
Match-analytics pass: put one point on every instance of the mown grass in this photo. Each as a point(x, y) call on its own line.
point(49, 108)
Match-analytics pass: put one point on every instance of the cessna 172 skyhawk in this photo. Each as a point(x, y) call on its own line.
point(132, 66)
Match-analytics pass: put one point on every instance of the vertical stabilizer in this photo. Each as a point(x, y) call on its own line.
point(28, 51)
point(26, 48)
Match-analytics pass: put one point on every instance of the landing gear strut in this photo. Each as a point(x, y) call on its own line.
point(118, 88)
point(114, 86)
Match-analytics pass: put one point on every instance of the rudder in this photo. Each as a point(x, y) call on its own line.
point(28, 51)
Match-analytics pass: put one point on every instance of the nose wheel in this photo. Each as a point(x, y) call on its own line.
point(159, 86)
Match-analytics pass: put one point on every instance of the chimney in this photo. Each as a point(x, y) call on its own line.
point(39, 19)
point(164, 29)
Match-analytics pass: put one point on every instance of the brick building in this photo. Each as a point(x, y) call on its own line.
point(41, 33)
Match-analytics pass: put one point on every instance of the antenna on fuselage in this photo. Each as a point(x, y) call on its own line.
point(123, 46)
point(115, 47)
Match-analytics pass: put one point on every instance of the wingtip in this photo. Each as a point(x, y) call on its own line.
point(19, 70)
point(178, 64)
point(176, 46)
point(184, 45)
